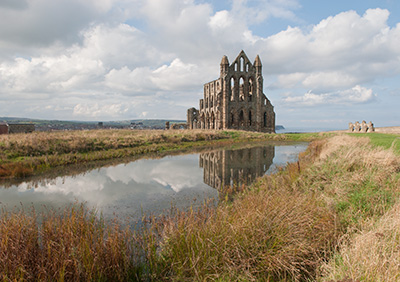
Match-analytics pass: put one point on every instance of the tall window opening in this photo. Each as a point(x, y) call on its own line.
point(232, 89)
point(241, 89)
point(241, 64)
point(251, 89)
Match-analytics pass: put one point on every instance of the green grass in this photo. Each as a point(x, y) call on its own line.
point(307, 136)
point(385, 141)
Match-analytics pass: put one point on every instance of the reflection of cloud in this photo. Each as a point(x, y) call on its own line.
point(148, 185)
point(127, 189)
point(177, 173)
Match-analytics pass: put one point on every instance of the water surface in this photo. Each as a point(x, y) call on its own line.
point(151, 186)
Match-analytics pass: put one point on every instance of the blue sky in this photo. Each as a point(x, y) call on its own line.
point(325, 63)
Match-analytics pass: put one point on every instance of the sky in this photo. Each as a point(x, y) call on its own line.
point(325, 63)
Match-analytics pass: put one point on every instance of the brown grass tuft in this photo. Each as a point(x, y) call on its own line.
point(372, 255)
point(72, 246)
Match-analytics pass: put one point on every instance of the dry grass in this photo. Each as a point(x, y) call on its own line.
point(26, 154)
point(269, 235)
point(357, 180)
point(72, 246)
point(371, 255)
point(361, 183)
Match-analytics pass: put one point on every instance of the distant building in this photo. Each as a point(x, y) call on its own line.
point(3, 128)
point(235, 100)
point(10, 128)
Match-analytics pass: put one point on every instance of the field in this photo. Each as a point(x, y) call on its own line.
point(22, 155)
point(331, 216)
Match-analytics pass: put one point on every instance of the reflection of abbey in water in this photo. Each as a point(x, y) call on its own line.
point(236, 167)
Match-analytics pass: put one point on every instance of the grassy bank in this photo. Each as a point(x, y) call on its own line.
point(26, 154)
point(333, 215)
point(385, 141)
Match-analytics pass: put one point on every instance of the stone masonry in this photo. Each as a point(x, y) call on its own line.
point(235, 100)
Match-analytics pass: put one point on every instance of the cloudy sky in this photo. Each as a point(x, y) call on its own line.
point(325, 63)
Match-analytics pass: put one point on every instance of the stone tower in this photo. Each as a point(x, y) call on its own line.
point(235, 100)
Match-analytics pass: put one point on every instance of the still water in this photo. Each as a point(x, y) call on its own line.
point(151, 186)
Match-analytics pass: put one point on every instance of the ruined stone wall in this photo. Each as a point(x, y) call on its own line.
point(235, 100)
point(193, 118)
point(363, 127)
point(3, 129)
point(178, 126)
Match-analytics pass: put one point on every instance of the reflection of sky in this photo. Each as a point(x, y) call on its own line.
point(128, 189)
point(143, 185)
point(286, 154)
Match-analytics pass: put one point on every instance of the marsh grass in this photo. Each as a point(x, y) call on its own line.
point(265, 235)
point(69, 245)
point(333, 215)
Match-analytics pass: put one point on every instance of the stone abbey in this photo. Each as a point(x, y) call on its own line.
point(235, 100)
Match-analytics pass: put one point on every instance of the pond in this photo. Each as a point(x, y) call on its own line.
point(151, 186)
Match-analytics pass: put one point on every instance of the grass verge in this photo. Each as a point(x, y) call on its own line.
point(385, 141)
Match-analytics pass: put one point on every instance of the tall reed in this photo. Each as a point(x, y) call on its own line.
point(69, 245)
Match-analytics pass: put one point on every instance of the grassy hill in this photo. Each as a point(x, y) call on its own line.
point(43, 125)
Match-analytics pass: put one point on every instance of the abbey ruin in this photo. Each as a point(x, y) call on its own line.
point(235, 100)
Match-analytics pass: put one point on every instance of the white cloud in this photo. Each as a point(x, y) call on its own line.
point(177, 76)
point(339, 53)
point(254, 12)
point(220, 21)
point(95, 110)
point(355, 95)
point(329, 80)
